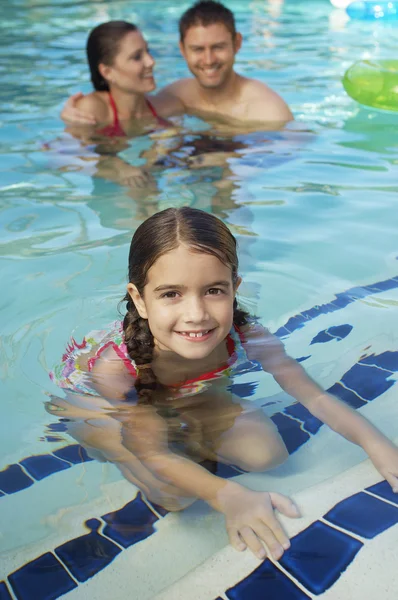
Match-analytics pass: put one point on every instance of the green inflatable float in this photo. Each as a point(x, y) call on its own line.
point(373, 83)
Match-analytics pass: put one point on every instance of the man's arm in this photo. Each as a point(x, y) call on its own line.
point(75, 113)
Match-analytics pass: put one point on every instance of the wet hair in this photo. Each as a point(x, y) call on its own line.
point(205, 13)
point(161, 233)
point(102, 47)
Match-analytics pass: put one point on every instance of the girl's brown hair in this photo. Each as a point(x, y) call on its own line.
point(161, 233)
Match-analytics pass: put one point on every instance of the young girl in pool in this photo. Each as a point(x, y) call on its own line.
point(167, 366)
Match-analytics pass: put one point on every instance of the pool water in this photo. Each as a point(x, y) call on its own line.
point(313, 208)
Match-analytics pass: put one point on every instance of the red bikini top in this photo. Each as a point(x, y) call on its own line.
point(116, 130)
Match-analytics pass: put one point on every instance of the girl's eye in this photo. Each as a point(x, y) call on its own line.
point(169, 295)
point(215, 291)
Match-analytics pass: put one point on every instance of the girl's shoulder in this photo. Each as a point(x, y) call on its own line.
point(98, 351)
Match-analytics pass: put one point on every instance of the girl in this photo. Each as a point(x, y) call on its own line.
point(165, 370)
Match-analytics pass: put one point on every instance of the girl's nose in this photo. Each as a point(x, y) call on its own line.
point(196, 311)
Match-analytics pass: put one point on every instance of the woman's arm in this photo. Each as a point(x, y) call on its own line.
point(266, 349)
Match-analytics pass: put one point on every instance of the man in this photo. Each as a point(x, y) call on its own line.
point(209, 43)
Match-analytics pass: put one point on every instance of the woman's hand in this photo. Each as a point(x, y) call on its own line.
point(384, 456)
point(73, 115)
point(251, 521)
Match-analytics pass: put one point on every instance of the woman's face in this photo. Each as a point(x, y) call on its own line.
point(132, 67)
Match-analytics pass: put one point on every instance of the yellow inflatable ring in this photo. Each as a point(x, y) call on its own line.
point(373, 83)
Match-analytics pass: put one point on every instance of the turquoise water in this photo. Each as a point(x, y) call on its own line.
point(314, 209)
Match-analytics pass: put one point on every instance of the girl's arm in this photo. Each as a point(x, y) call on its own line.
point(250, 518)
point(266, 349)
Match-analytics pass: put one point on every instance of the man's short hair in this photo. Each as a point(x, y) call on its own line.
point(205, 13)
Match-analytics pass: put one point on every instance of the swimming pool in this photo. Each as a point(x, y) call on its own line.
point(314, 212)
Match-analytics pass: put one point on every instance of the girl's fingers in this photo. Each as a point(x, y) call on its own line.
point(235, 540)
point(275, 545)
point(285, 505)
point(393, 481)
point(277, 530)
point(252, 542)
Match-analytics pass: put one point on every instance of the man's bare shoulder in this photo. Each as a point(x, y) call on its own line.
point(265, 103)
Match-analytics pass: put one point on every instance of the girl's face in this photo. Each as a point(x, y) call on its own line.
point(132, 68)
point(188, 301)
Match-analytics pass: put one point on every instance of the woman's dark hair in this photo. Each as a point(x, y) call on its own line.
point(205, 13)
point(161, 233)
point(102, 46)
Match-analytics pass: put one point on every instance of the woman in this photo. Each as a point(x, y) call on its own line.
point(121, 70)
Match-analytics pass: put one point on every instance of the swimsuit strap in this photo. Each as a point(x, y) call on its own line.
point(152, 109)
point(114, 110)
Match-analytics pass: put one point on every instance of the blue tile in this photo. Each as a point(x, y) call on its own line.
point(88, 554)
point(346, 395)
point(52, 438)
point(318, 555)
point(43, 465)
point(315, 311)
point(383, 489)
point(282, 332)
point(386, 360)
point(159, 509)
point(74, 453)
point(303, 358)
point(58, 426)
point(341, 301)
point(131, 524)
point(298, 411)
point(45, 574)
point(340, 331)
point(291, 432)
point(13, 479)
point(356, 292)
point(266, 582)
point(388, 284)
point(321, 338)
point(243, 390)
point(1, 494)
point(295, 322)
point(4, 593)
point(364, 515)
point(368, 382)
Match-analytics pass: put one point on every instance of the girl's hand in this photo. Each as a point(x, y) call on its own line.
point(384, 456)
point(251, 521)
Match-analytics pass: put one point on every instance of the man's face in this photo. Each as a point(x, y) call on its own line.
point(210, 53)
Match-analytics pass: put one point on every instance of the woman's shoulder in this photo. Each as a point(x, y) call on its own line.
point(97, 104)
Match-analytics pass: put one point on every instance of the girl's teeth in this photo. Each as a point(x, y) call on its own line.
point(196, 335)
